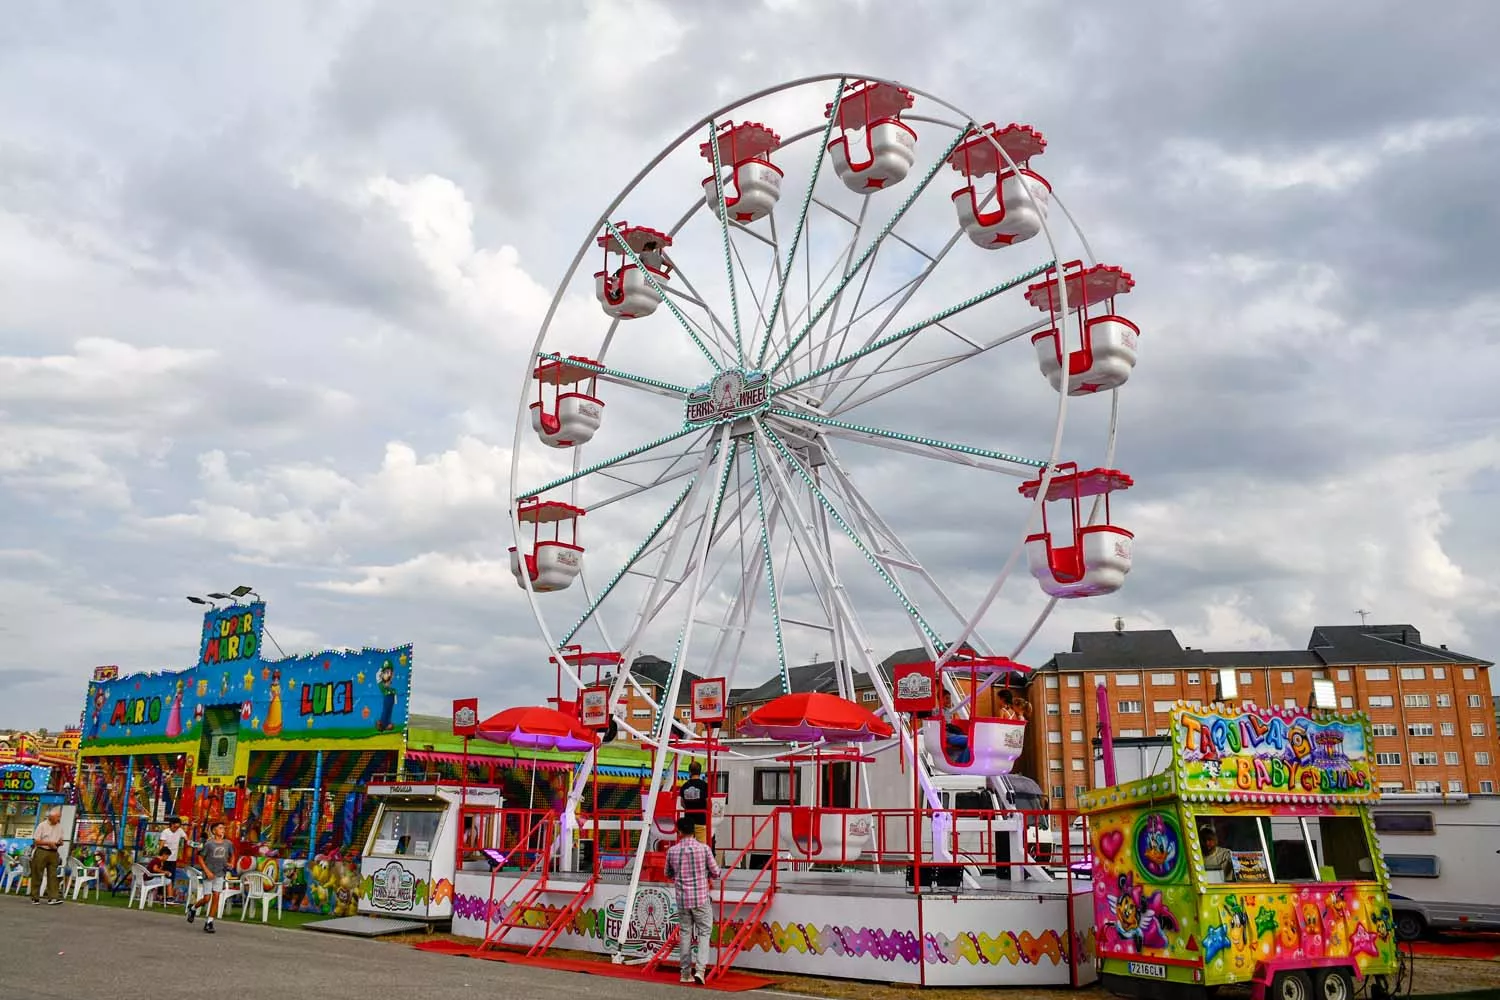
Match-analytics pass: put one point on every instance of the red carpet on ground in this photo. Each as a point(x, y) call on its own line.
point(1485, 947)
point(732, 981)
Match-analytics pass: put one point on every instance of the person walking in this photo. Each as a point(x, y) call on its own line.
point(692, 869)
point(214, 856)
point(46, 862)
point(172, 838)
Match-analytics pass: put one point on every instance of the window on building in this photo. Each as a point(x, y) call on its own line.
point(640, 713)
point(1320, 675)
point(1289, 702)
point(1054, 765)
point(1346, 702)
point(1079, 790)
point(1130, 708)
point(1075, 736)
point(1450, 757)
point(1419, 729)
point(1444, 701)
point(773, 786)
point(867, 696)
point(1476, 701)
point(1054, 737)
point(1054, 709)
point(1052, 682)
point(1438, 673)
point(1098, 680)
point(1413, 865)
point(1416, 701)
point(1077, 765)
point(1404, 822)
point(1342, 675)
point(1127, 680)
point(1383, 729)
point(1390, 786)
point(1162, 706)
point(1429, 787)
point(1455, 785)
point(1161, 731)
point(1287, 677)
point(1074, 681)
point(1194, 678)
point(1482, 758)
point(1057, 792)
point(1382, 701)
point(1075, 708)
point(1162, 680)
point(1424, 758)
point(1413, 674)
point(1446, 728)
point(1476, 729)
point(1487, 788)
point(1132, 734)
point(1377, 674)
point(1468, 673)
point(1246, 677)
point(1389, 759)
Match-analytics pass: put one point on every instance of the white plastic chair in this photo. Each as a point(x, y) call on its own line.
point(18, 873)
point(195, 886)
point(78, 877)
point(257, 887)
point(143, 885)
point(232, 891)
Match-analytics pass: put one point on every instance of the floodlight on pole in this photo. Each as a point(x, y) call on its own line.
point(199, 600)
point(221, 597)
point(242, 590)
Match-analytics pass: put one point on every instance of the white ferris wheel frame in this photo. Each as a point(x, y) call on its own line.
point(716, 445)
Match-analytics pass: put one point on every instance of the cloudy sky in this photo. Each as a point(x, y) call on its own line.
point(270, 275)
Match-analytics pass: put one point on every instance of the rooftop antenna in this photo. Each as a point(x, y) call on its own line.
point(1363, 616)
point(1119, 625)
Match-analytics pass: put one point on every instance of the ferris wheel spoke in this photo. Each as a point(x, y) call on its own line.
point(833, 511)
point(760, 310)
point(918, 327)
point(637, 488)
point(962, 454)
point(589, 470)
point(618, 377)
point(807, 199)
point(877, 528)
point(769, 567)
point(661, 293)
point(726, 345)
point(833, 314)
point(734, 301)
point(639, 553)
point(869, 251)
point(847, 401)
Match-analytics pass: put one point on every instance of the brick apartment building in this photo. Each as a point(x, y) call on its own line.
point(1433, 716)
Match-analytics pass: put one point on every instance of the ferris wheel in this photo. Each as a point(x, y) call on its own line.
point(862, 340)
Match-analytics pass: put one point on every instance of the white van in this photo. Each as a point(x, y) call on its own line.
point(1443, 859)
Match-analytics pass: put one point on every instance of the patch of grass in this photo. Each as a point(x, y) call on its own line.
point(121, 900)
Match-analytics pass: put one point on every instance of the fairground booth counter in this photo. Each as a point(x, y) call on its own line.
point(280, 749)
point(1251, 859)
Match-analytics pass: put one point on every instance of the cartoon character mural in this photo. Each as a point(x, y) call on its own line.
point(1140, 920)
point(1143, 903)
point(385, 682)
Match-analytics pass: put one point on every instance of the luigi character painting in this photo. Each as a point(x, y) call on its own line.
point(383, 680)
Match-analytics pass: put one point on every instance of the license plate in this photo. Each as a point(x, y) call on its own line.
point(1148, 970)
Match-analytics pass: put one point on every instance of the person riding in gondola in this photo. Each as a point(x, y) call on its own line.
point(955, 734)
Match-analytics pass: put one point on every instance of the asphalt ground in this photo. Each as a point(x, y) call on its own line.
point(81, 952)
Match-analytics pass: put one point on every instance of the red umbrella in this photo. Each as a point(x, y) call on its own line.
point(813, 716)
point(533, 726)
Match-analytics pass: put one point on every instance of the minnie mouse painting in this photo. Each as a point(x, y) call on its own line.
point(1140, 921)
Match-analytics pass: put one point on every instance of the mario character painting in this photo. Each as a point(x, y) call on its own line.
point(384, 681)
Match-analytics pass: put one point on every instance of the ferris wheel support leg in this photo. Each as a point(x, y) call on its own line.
point(843, 670)
point(864, 648)
point(674, 684)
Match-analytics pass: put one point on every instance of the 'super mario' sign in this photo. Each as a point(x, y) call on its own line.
point(24, 778)
point(1272, 753)
point(232, 633)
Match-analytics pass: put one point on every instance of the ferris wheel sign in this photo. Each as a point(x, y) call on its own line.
point(729, 395)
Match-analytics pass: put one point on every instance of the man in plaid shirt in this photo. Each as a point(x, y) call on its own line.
point(691, 867)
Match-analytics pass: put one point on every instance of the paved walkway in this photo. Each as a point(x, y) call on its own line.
point(79, 950)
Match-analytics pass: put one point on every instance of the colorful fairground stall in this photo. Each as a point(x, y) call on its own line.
point(36, 773)
point(1251, 859)
point(280, 749)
